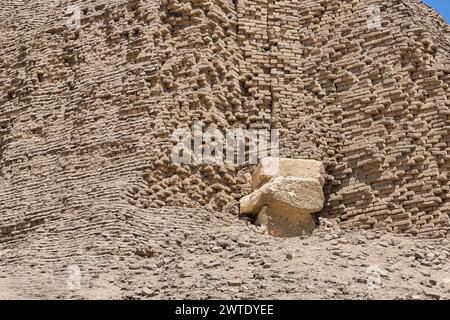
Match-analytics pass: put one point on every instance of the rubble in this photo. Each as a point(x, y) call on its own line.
point(285, 194)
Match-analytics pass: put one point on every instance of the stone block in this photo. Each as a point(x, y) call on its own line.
point(286, 193)
point(281, 167)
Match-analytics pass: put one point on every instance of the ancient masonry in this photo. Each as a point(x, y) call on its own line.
point(286, 194)
point(86, 115)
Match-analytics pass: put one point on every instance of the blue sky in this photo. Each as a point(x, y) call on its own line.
point(442, 6)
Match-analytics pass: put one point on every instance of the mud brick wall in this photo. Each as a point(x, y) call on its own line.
point(86, 115)
point(373, 104)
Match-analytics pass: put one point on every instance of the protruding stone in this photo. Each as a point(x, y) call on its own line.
point(281, 167)
point(286, 193)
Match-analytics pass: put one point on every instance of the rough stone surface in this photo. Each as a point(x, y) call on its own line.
point(371, 104)
point(281, 167)
point(292, 192)
point(286, 193)
point(199, 254)
point(86, 117)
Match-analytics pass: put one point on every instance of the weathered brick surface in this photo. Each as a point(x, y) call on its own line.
point(86, 116)
point(371, 103)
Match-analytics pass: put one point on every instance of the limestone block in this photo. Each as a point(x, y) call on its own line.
point(281, 167)
point(286, 193)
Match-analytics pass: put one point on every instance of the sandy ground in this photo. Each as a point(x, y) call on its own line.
point(212, 255)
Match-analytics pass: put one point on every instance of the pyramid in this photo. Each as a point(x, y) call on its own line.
point(87, 112)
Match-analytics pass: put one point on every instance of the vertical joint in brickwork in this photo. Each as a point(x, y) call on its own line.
point(270, 62)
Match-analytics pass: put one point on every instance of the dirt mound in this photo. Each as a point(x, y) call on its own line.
point(179, 253)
